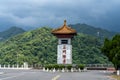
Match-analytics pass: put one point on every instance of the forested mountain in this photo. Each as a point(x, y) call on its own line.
point(10, 33)
point(40, 47)
point(90, 30)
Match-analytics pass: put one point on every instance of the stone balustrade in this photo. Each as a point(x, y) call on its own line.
point(24, 66)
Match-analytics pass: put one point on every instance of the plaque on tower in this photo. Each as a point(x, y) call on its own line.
point(64, 54)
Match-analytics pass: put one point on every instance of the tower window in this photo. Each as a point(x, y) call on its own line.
point(64, 41)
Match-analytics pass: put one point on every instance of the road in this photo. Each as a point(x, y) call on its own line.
point(40, 75)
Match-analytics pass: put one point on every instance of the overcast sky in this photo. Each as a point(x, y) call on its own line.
point(36, 13)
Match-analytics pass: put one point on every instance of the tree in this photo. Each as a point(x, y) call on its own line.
point(111, 49)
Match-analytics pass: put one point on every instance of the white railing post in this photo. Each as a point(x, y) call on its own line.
point(25, 65)
point(63, 70)
point(4, 66)
point(71, 69)
point(54, 70)
point(17, 66)
point(13, 66)
point(43, 69)
point(22, 67)
point(8, 66)
point(118, 72)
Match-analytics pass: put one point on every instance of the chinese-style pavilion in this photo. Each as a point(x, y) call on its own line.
point(64, 49)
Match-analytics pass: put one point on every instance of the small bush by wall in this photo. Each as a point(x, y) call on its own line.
point(62, 66)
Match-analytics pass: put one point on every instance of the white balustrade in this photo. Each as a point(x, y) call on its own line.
point(24, 66)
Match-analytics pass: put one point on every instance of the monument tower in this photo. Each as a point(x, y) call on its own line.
point(64, 48)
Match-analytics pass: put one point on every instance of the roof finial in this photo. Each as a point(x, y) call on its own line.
point(64, 22)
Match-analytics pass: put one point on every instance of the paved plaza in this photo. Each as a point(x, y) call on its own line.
point(40, 75)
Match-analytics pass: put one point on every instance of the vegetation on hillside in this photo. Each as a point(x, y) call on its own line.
point(40, 47)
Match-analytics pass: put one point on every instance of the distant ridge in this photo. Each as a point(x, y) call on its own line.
point(90, 30)
point(10, 33)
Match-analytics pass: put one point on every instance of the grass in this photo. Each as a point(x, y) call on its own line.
point(116, 77)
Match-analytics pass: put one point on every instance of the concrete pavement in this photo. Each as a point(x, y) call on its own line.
point(40, 75)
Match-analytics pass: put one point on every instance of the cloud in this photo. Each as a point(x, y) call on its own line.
point(35, 13)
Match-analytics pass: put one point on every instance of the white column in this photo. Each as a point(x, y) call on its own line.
point(63, 70)
point(54, 70)
point(17, 66)
point(25, 65)
point(118, 72)
point(4, 66)
point(79, 70)
point(8, 66)
point(13, 66)
point(43, 69)
point(72, 70)
point(47, 70)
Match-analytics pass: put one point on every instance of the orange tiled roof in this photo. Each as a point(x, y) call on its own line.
point(64, 30)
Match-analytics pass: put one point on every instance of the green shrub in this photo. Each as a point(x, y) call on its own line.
point(81, 66)
point(56, 66)
point(49, 66)
point(61, 66)
point(69, 67)
point(46, 66)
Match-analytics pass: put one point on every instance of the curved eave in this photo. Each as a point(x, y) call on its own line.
point(64, 30)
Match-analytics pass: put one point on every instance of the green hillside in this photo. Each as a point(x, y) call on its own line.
point(90, 30)
point(40, 47)
point(10, 33)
